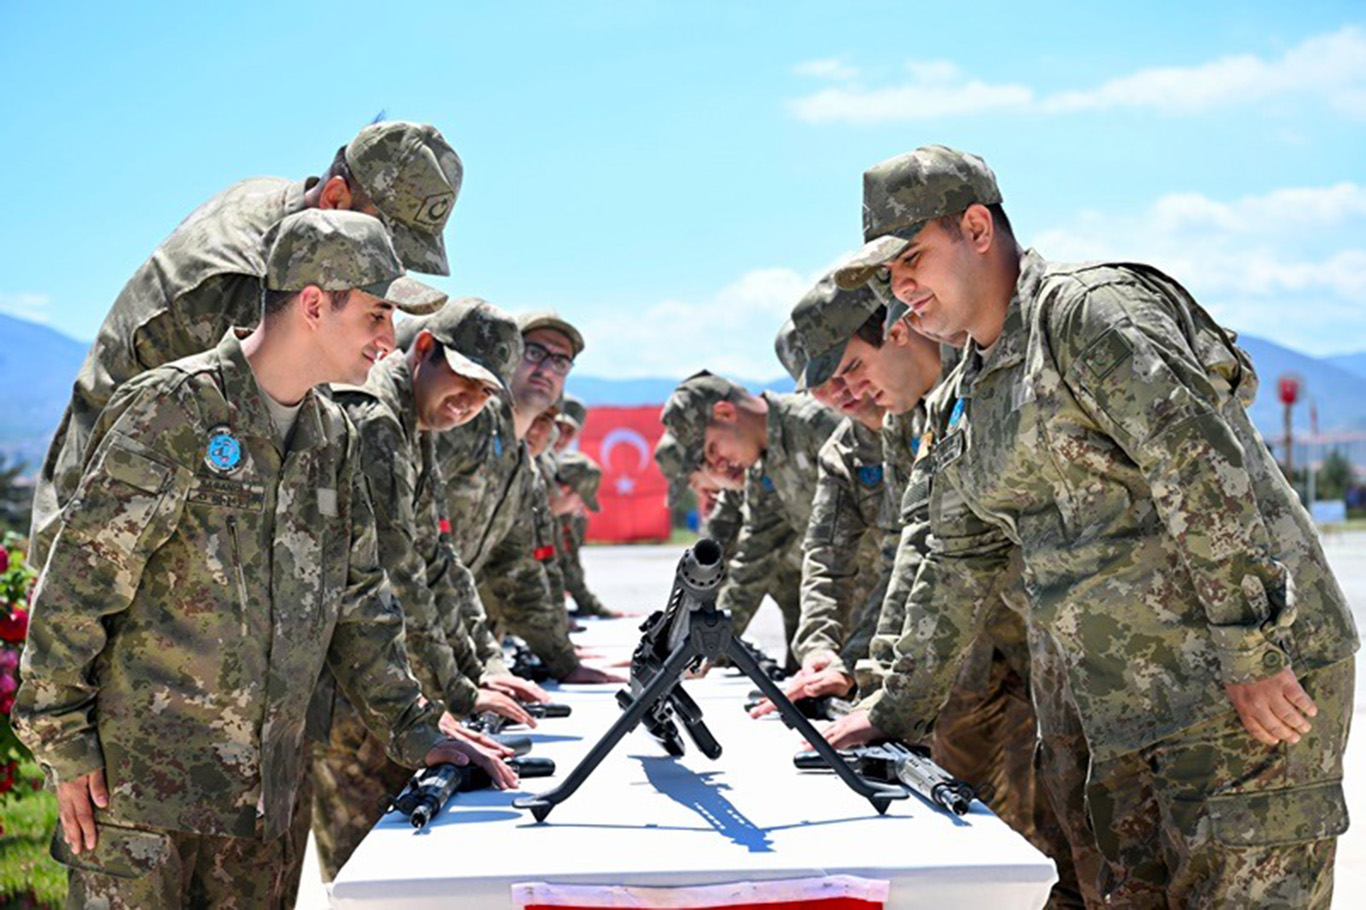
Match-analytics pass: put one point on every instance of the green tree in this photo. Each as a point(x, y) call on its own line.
point(1334, 476)
point(16, 496)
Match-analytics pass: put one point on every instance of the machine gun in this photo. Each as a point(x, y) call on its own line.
point(492, 723)
point(526, 663)
point(772, 669)
point(689, 630)
point(891, 762)
point(431, 788)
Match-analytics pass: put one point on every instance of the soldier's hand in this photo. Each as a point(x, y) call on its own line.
point(809, 685)
point(586, 674)
point(462, 752)
point(1273, 709)
point(452, 727)
point(817, 661)
point(516, 687)
point(854, 729)
point(76, 801)
point(499, 703)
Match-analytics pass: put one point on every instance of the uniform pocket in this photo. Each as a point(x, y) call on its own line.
point(119, 851)
point(1270, 818)
point(119, 499)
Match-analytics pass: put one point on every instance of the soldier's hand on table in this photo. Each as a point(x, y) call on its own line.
point(854, 729)
point(499, 703)
point(462, 752)
point(809, 685)
point(76, 801)
point(584, 674)
point(516, 687)
point(817, 661)
point(1274, 709)
point(452, 727)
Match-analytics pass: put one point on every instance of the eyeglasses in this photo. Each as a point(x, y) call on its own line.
point(538, 354)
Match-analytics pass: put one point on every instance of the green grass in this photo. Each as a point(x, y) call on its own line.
point(28, 877)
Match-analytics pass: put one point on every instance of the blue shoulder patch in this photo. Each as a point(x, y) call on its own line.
point(957, 415)
point(767, 483)
point(497, 445)
point(870, 475)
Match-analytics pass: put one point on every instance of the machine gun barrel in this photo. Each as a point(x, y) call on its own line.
point(431, 788)
point(892, 762)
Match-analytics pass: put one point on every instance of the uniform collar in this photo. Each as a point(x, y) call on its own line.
point(391, 382)
point(244, 395)
point(1010, 344)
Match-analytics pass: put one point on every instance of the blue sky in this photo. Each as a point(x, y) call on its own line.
point(672, 176)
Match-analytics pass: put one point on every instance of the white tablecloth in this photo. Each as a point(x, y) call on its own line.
point(646, 819)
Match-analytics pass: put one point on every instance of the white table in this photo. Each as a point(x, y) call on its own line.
point(646, 819)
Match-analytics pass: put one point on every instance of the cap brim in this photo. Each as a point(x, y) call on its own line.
point(556, 324)
point(590, 499)
point(865, 263)
point(408, 295)
point(895, 310)
point(419, 250)
point(562, 417)
point(470, 369)
point(819, 369)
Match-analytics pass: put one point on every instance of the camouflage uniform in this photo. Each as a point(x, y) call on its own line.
point(206, 277)
point(584, 475)
point(155, 575)
point(842, 569)
point(1164, 556)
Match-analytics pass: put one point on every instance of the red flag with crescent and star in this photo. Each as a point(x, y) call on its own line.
point(633, 493)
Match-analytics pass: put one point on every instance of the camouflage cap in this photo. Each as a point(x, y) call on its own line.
point(342, 251)
point(480, 341)
point(675, 464)
point(413, 176)
point(689, 407)
point(583, 476)
point(549, 319)
point(573, 410)
point(788, 347)
point(824, 320)
point(902, 194)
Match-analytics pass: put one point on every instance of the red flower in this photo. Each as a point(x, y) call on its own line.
point(14, 627)
point(4, 559)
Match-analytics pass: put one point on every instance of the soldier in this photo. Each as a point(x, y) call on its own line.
point(463, 355)
point(766, 445)
point(490, 487)
point(206, 276)
point(574, 526)
point(570, 417)
point(578, 474)
point(718, 510)
point(218, 551)
point(1098, 434)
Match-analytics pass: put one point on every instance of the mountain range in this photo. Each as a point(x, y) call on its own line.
point(38, 365)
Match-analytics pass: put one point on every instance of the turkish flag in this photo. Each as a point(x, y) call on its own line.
point(633, 494)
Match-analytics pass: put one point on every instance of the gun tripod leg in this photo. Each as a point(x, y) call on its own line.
point(659, 687)
point(879, 796)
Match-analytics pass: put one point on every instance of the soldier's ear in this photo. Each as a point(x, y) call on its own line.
point(311, 302)
point(336, 194)
point(978, 228)
point(724, 412)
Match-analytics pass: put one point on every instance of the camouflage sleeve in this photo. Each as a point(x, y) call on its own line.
point(765, 536)
point(127, 505)
point(470, 617)
point(962, 569)
point(196, 320)
point(367, 654)
point(519, 585)
point(859, 641)
point(391, 476)
point(830, 558)
point(572, 528)
point(1122, 352)
point(723, 524)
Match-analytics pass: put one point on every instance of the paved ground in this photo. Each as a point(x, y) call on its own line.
point(638, 578)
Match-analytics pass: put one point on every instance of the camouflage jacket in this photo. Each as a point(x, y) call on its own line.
point(573, 529)
point(723, 524)
point(188, 607)
point(777, 509)
point(1105, 437)
point(203, 279)
point(842, 550)
point(400, 467)
point(490, 489)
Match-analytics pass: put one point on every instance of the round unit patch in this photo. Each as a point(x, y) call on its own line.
point(224, 453)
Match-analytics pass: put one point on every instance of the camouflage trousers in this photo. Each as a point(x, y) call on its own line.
point(353, 781)
point(137, 868)
point(1211, 817)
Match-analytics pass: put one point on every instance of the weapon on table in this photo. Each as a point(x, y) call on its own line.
point(772, 669)
point(813, 707)
point(431, 788)
point(891, 762)
point(526, 663)
point(492, 723)
point(689, 630)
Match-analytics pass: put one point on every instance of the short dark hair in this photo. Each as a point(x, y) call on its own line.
point(871, 330)
point(273, 303)
point(999, 220)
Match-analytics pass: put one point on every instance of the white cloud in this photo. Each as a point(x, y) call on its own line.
point(1329, 67)
point(1289, 265)
point(827, 68)
point(729, 332)
point(33, 307)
